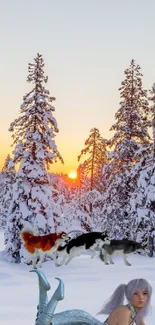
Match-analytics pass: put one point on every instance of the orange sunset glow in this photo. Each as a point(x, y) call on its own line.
point(76, 78)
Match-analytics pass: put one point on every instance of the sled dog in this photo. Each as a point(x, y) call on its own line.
point(89, 241)
point(38, 246)
point(121, 247)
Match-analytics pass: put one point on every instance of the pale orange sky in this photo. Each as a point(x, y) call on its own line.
point(86, 45)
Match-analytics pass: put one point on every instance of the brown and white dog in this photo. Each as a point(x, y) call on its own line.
point(38, 246)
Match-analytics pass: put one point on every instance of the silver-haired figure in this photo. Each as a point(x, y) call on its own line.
point(138, 295)
point(137, 292)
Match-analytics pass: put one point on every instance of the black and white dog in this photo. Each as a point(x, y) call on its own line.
point(89, 241)
point(121, 247)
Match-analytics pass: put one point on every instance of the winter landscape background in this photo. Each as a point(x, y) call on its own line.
point(114, 190)
point(103, 79)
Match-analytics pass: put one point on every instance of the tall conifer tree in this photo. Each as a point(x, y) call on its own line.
point(8, 175)
point(130, 129)
point(35, 149)
point(96, 155)
point(129, 141)
point(143, 198)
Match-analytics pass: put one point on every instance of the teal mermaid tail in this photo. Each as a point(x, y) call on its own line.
point(44, 286)
point(46, 316)
point(74, 317)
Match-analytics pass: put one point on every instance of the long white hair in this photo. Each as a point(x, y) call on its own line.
point(126, 291)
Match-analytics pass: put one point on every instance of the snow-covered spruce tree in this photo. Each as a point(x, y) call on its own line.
point(67, 213)
point(96, 153)
point(69, 220)
point(63, 186)
point(84, 181)
point(130, 138)
point(116, 211)
point(6, 189)
point(89, 210)
point(76, 214)
point(152, 119)
point(143, 205)
point(143, 198)
point(35, 150)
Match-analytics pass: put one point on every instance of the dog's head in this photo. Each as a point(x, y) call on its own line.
point(63, 237)
point(62, 234)
point(105, 237)
point(142, 248)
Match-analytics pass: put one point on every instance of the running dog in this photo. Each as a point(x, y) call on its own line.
point(38, 246)
point(121, 247)
point(89, 241)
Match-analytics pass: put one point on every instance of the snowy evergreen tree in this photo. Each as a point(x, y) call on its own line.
point(77, 214)
point(116, 212)
point(96, 153)
point(129, 140)
point(143, 198)
point(130, 129)
point(35, 149)
point(143, 205)
point(69, 220)
point(84, 181)
point(6, 189)
point(152, 119)
point(90, 210)
point(63, 186)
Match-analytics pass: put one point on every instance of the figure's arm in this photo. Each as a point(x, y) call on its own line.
point(123, 316)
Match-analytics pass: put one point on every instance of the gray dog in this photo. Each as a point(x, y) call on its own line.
point(121, 247)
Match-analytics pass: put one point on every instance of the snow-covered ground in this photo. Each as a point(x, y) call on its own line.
point(88, 283)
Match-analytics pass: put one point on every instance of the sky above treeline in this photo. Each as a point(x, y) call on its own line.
point(86, 45)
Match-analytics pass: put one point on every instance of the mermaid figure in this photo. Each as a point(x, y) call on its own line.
point(137, 292)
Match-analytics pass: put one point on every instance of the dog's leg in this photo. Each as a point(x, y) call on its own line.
point(55, 258)
point(101, 255)
point(110, 259)
point(106, 256)
point(29, 258)
point(54, 254)
point(41, 258)
point(93, 252)
point(73, 253)
point(92, 249)
point(69, 259)
point(59, 264)
point(125, 260)
point(51, 252)
point(63, 260)
point(32, 257)
point(34, 260)
point(62, 255)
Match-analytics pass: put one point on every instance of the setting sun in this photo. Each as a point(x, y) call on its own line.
point(72, 175)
